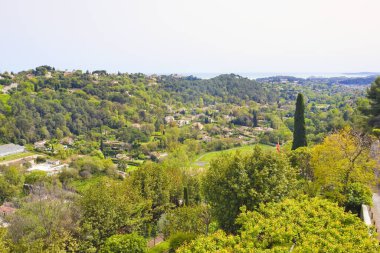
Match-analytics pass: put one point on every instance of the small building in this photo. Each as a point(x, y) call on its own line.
point(67, 141)
point(198, 126)
point(169, 119)
point(53, 162)
point(10, 149)
point(182, 122)
point(40, 144)
point(123, 157)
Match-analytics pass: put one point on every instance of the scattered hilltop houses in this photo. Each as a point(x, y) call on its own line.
point(6, 89)
point(11, 149)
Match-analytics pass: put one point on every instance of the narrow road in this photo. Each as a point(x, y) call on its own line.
point(375, 210)
point(6, 163)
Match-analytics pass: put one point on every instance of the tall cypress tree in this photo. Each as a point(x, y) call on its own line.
point(299, 134)
point(255, 123)
point(186, 196)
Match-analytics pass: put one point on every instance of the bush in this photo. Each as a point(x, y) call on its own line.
point(36, 176)
point(40, 159)
point(179, 239)
point(131, 243)
point(358, 194)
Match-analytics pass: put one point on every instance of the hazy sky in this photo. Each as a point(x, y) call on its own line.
point(167, 36)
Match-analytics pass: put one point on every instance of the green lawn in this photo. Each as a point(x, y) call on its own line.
point(204, 159)
point(131, 168)
point(83, 184)
point(15, 156)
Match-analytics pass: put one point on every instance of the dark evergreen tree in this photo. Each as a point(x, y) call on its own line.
point(186, 196)
point(255, 123)
point(374, 111)
point(299, 134)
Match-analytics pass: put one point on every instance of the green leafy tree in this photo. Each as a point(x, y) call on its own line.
point(132, 243)
point(109, 207)
point(303, 225)
point(46, 222)
point(189, 219)
point(357, 195)
point(152, 182)
point(341, 159)
point(301, 160)
point(234, 181)
point(299, 134)
point(178, 239)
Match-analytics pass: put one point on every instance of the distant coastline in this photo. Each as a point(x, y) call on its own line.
point(255, 75)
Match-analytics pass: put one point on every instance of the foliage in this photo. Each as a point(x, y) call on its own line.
point(341, 159)
point(187, 219)
point(234, 181)
point(152, 182)
point(36, 176)
point(11, 181)
point(300, 159)
point(109, 207)
point(357, 195)
point(88, 166)
point(303, 225)
point(180, 238)
point(3, 241)
point(162, 247)
point(124, 243)
point(45, 222)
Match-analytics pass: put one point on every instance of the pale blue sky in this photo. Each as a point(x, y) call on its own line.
point(178, 36)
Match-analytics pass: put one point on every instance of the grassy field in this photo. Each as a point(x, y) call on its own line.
point(82, 185)
point(204, 159)
point(131, 168)
point(15, 156)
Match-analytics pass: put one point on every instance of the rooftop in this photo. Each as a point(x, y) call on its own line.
point(10, 148)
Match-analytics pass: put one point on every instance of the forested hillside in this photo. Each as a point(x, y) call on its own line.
point(165, 163)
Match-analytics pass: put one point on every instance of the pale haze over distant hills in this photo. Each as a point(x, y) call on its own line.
point(169, 36)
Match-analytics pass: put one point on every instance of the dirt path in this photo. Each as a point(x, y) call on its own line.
point(6, 163)
point(375, 210)
point(153, 242)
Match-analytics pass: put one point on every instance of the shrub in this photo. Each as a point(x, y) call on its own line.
point(131, 243)
point(179, 239)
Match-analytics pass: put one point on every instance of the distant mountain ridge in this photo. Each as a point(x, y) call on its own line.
point(367, 80)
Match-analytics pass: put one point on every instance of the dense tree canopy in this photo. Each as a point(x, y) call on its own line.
point(249, 180)
point(343, 158)
point(140, 159)
point(303, 225)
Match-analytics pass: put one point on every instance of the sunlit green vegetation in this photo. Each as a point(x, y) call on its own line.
point(190, 161)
